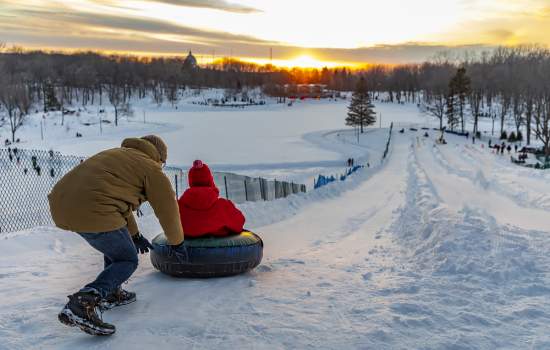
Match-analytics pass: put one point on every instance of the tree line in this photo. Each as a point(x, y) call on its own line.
point(506, 86)
point(509, 85)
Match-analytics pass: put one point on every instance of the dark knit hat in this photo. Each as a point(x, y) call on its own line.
point(200, 175)
point(159, 145)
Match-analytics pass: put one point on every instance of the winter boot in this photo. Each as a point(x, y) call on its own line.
point(118, 298)
point(82, 311)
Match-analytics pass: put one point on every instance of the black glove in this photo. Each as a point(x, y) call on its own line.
point(179, 252)
point(141, 243)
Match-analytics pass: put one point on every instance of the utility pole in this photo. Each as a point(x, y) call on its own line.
point(144, 116)
point(42, 130)
point(100, 123)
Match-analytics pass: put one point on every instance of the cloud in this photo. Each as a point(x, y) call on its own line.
point(220, 5)
point(135, 25)
point(544, 12)
point(77, 28)
point(212, 4)
point(48, 29)
point(501, 34)
point(399, 53)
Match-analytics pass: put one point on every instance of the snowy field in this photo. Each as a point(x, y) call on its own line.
point(273, 141)
point(438, 247)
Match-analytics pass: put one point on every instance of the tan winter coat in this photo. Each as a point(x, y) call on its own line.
point(100, 194)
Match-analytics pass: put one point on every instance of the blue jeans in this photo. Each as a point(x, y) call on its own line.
point(120, 256)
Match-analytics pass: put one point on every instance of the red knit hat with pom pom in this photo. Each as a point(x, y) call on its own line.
point(200, 175)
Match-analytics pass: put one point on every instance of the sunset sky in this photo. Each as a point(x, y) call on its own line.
point(300, 32)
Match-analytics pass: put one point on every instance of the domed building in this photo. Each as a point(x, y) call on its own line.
point(190, 62)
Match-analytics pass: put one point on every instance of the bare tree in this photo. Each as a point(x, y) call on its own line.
point(17, 103)
point(542, 124)
point(436, 79)
point(116, 97)
point(437, 108)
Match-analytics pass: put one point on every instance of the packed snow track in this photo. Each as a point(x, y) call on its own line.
point(441, 247)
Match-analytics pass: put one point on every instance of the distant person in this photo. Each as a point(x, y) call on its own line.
point(473, 140)
point(497, 149)
point(352, 162)
point(502, 148)
point(516, 148)
point(202, 211)
point(509, 149)
point(490, 144)
point(426, 134)
point(96, 199)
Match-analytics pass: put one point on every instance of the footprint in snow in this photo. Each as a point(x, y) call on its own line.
point(324, 284)
point(291, 262)
point(58, 247)
point(39, 274)
point(264, 268)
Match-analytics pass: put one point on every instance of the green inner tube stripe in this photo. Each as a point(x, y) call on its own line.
point(243, 239)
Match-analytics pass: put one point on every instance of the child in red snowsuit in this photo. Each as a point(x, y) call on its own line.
point(202, 212)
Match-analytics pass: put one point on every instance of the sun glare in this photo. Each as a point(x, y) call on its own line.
point(302, 61)
point(305, 61)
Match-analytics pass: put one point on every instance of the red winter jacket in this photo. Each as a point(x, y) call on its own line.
point(202, 212)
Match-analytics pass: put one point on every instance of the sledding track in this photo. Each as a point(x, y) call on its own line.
point(428, 252)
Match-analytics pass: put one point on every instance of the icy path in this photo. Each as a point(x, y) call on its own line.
point(422, 254)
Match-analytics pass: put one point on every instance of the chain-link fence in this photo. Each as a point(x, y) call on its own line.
point(27, 176)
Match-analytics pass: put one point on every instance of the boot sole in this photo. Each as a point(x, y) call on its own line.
point(107, 307)
point(69, 319)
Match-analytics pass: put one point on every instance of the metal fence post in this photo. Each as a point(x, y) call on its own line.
point(176, 182)
point(225, 183)
point(261, 188)
point(245, 191)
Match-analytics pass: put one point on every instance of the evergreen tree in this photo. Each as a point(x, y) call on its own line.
point(450, 111)
point(50, 101)
point(361, 110)
point(460, 86)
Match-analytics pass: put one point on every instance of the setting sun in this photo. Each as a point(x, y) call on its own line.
point(304, 61)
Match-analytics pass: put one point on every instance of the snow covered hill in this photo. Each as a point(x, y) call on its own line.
point(438, 247)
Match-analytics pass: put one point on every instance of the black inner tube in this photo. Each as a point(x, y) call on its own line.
point(208, 256)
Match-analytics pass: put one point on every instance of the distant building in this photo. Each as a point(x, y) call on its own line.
point(190, 62)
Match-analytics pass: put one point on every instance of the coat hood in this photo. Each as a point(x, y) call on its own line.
point(200, 198)
point(144, 146)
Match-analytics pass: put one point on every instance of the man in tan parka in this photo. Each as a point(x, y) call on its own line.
point(96, 199)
